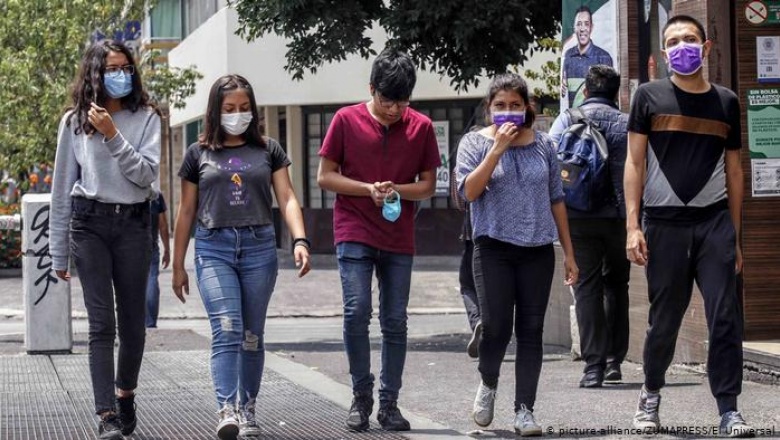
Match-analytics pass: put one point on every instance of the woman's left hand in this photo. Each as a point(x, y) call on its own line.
point(572, 271)
point(302, 260)
point(102, 121)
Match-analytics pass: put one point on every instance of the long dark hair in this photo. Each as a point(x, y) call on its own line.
point(88, 85)
point(213, 135)
point(514, 83)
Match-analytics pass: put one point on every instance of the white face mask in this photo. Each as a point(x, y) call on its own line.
point(236, 123)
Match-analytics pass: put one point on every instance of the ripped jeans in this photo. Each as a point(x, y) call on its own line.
point(236, 270)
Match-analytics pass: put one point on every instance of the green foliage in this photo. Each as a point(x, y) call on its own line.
point(550, 71)
point(463, 39)
point(168, 85)
point(41, 44)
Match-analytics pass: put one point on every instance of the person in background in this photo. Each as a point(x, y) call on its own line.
point(108, 154)
point(159, 226)
point(684, 142)
point(379, 157)
point(226, 182)
point(601, 292)
point(509, 175)
point(466, 273)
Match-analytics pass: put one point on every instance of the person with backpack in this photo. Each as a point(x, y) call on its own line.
point(684, 164)
point(509, 174)
point(597, 227)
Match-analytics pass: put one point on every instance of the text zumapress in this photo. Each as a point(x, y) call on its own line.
point(668, 430)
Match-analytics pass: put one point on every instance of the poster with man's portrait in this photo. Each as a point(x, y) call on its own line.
point(590, 36)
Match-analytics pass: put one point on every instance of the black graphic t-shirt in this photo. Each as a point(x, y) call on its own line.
point(234, 183)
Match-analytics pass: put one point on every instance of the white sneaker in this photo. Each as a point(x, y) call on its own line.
point(732, 424)
point(484, 404)
point(646, 417)
point(247, 421)
point(525, 424)
point(227, 428)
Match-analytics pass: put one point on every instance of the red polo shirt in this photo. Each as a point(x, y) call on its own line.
point(368, 152)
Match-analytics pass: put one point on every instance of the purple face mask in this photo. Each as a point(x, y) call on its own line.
point(515, 117)
point(685, 58)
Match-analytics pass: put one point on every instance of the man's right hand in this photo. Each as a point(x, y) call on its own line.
point(636, 247)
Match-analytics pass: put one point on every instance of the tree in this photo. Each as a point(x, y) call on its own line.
point(463, 39)
point(41, 44)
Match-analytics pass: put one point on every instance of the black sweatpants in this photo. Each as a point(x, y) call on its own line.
point(513, 285)
point(601, 290)
point(678, 255)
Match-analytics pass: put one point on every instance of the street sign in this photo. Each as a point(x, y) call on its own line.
point(763, 12)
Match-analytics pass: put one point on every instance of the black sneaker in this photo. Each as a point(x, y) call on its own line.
point(592, 379)
point(127, 413)
point(390, 417)
point(110, 427)
point(359, 412)
point(473, 348)
point(613, 374)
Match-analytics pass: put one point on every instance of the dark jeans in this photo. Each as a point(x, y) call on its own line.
point(678, 255)
point(602, 290)
point(513, 284)
point(111, 246)
point(466, 279)
point(357, 263)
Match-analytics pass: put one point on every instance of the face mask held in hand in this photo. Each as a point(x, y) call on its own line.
point(515, 117)
point(391, 210)
point(236, 123)
point(685, 58)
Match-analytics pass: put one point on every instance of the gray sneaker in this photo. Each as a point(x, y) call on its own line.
point(733, 425)
point(247, 421)
point(646, 417)
point(227, 428)
point(484, 404)
point(525, 424)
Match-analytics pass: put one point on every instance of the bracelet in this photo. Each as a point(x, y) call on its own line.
point(302, 241)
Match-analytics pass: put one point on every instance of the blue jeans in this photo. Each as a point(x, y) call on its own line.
point(394, 272)
point(153, 289)
point(236, 269)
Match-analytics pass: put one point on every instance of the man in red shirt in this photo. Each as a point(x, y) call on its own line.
point(379, 157)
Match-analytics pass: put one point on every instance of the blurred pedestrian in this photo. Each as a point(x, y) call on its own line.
point(108, 152)
point(159, 227)
point(226, 182)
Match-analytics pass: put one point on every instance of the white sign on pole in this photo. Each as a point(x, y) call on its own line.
point(442, 130)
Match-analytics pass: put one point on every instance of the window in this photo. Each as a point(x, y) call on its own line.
point(166, 20)
point(317, 120)
point(196, 12)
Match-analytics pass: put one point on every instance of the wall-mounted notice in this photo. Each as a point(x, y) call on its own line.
point(765, 177)
point(768, 59)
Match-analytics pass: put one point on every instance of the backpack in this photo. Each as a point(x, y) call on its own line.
point(582, 156)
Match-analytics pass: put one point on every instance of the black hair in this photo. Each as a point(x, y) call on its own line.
point(602, 81)
point(88, 85)
point(685, 19)
point(213, 134)
point(584, 8)
point(393, 75)
point(511, 82)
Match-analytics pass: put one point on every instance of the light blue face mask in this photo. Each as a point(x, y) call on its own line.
point(118, 85)
point(391, 210)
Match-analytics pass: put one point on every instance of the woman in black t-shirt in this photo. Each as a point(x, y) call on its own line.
point(226, 182)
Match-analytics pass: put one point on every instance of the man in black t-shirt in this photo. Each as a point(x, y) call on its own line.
point(684, 140)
